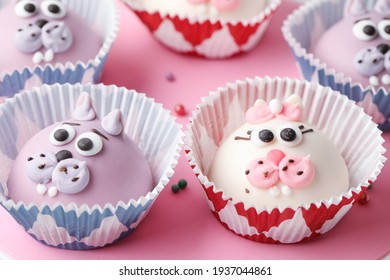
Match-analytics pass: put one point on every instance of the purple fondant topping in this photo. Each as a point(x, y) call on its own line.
point(27, 39)
point(112, 123)
point(71, 176)
point(39, 167)
point(369, 61)
point(356, 7)
point(57, 36)
point(382, 7)
point(84, 110)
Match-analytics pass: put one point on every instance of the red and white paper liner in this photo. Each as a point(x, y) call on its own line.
point(350, 129)
point(214, 39)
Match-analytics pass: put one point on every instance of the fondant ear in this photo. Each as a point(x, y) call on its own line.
point(295, 99)
point(112, 123)
point(260, 102)
point(84, 110)
point(382, 7)
point(355, 8)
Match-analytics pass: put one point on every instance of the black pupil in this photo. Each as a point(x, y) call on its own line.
point(288, 134)
point(266, 136)
point(61, 135)
point(85, 144)
point(54, 9)
point(387, 29)
point(30, 8)
point(369, 30)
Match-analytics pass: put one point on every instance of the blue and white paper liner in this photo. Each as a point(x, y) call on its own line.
point(104, 18)
point(79, 226)
point(302, 29)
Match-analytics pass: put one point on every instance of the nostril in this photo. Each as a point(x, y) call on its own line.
point(383, 48)
point(41, 22)
point(63, 154)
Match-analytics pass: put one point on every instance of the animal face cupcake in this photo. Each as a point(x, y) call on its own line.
point(345, 45)
point(49, 41)
point(274, 160)
point(85, 156)
point(212, 29)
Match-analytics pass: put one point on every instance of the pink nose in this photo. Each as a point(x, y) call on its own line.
point(275, 156)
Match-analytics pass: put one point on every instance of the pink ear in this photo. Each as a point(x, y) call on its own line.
point(382, 7)
point(84, 110)
point(112, 123)
point(355, 8)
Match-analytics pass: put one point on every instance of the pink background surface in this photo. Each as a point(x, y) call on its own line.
point(181, 226)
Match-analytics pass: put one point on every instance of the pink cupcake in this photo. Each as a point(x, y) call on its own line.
point(209, 28)
point(281, 160)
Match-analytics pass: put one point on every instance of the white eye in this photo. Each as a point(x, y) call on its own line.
point(384, 29)
point(290, 135)
point(62, 135)
point(53, 9)
point(26, 8)
point(262, 136)
point(89, 144)
point(365, 30)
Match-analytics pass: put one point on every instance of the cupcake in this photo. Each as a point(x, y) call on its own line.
point(83, 164)
point(345, 45)
point(51, 41)
point(281, 160)
point(208, 28)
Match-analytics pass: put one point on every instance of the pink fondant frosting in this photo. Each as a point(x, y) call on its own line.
point(262, 112)
point(82, 160)
point(221, 5)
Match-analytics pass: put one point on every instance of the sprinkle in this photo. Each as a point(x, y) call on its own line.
point(175, 188)
point(170, 77)
point(363, 199)
point(182, 184)
point(180, 110)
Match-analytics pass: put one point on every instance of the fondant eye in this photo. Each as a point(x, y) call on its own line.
point(365, 30)
point(62, 135)
point(262, 136)
point(53, 9)
point(26, 8)
point(290, 135)
point(89, 144)
point(384, 29)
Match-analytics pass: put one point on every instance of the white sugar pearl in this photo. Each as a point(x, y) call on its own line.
point(374, 81)
point(53, 191)
point(286, 191)
point(274, 191)
point(386, 79)
point(41, 189)
point(275, 106)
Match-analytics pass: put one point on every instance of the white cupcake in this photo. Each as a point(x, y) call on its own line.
point(284, 210)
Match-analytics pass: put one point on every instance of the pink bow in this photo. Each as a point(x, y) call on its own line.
point(222, 5)
point(263, 112)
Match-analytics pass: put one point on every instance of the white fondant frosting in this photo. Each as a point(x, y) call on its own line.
point(277, 174)
point(244, 9)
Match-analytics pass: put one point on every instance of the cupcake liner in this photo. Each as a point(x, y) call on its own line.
point(104, 19)
point(207, 38)
point(352, 131)
point(79, 226)
point(302, 29)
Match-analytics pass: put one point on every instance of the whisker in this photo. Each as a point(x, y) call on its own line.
point(307, 131)
point(242, 138)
